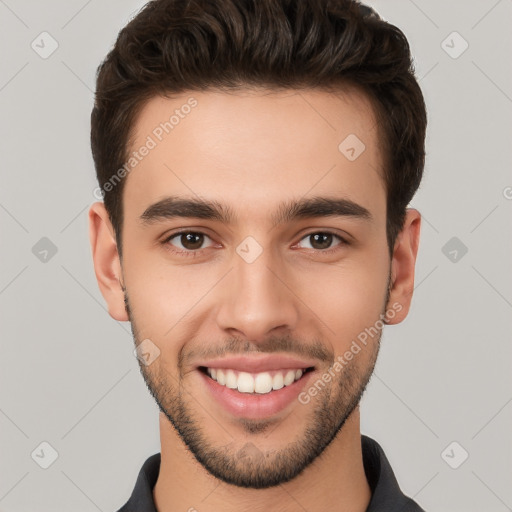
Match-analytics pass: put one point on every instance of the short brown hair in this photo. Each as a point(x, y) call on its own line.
point(174, 46)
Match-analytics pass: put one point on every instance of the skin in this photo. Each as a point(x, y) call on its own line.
point(252, 150)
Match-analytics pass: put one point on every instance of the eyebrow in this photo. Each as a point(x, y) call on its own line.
point(312, 207)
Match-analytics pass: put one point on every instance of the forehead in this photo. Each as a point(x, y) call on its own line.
point(251, 147)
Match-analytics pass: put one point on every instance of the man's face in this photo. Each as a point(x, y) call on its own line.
point(253, 287)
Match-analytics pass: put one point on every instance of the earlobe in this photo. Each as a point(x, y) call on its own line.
point(403, 266)
point(107, 265)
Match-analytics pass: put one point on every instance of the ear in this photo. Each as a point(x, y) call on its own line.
point(403, 264)
point(107, 265)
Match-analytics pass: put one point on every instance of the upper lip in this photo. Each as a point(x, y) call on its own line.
point(258, 364)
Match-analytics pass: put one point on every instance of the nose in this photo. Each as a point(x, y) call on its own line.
point(258, 298)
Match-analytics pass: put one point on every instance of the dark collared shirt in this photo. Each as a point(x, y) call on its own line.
point(386, 494)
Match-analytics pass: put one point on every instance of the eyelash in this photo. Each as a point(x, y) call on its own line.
point(193, 253)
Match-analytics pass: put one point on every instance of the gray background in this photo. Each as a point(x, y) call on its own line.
point(68, 375)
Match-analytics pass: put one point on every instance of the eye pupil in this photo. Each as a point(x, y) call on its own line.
point(188, 243)
point(327, 240)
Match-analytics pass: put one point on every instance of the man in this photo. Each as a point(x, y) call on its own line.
point(256, 159)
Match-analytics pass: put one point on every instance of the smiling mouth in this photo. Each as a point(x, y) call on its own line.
point(255, 383)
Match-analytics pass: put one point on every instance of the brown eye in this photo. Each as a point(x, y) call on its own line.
point(186, 241)
point(192, 241)
point(323, 241)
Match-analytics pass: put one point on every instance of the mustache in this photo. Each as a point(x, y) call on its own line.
point(238, 346)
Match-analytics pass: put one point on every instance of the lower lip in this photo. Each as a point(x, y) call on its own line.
point(255, 406)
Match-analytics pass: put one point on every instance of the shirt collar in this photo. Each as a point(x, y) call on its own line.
point(386, 493)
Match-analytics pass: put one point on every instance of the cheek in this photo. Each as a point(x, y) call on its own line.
point(348, 298)
point(162, 294)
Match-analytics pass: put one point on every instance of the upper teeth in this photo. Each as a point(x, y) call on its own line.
point(254, 383)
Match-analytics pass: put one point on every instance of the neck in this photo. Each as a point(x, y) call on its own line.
point(334, 481)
